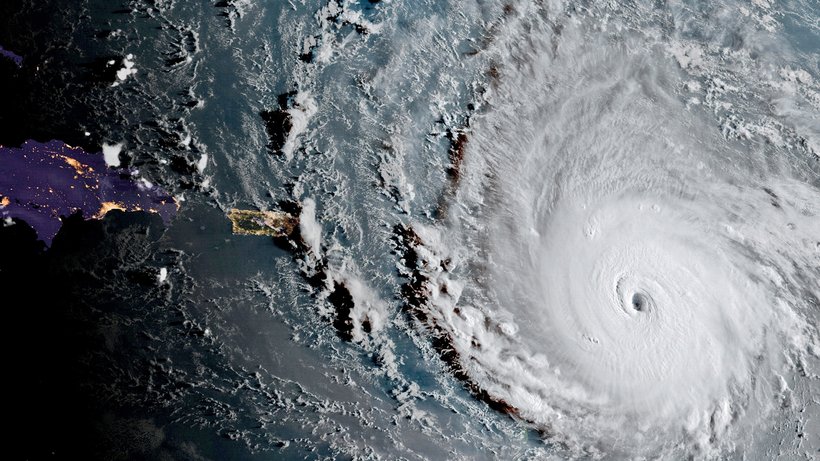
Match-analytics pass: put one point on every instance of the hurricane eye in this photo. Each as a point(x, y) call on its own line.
point(639, 302)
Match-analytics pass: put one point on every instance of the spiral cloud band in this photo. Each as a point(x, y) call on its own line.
point(617, 271)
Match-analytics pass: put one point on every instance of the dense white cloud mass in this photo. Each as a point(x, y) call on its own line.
point(624, 276)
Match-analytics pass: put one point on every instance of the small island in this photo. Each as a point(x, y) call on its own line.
point(272, 223)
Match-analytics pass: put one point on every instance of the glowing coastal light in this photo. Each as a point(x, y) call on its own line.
point(108, 206)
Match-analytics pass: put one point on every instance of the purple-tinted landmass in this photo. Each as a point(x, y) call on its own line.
point(40, 182)
point(11, 55)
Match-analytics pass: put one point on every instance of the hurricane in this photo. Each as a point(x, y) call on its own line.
point(615, 270)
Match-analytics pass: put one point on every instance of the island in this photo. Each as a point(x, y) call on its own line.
point(14, 57)
point(41, 183)
point(272, 223)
